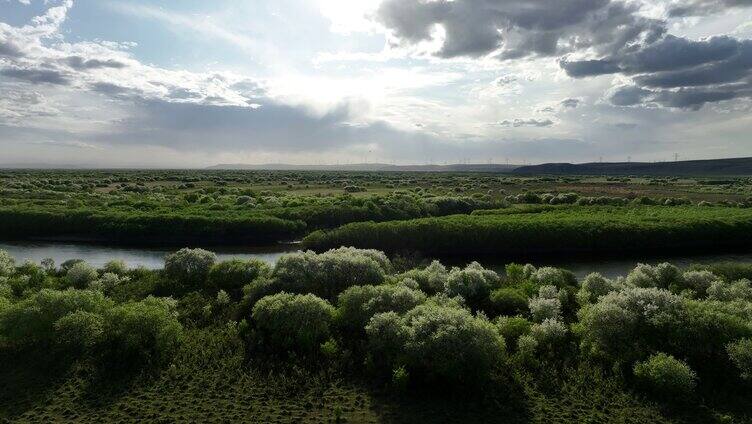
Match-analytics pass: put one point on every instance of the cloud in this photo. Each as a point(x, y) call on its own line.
point(570, 103)
point(676, 72)
point(36, 75)
point(530, 122)
point(515, 29)
point(684, 8)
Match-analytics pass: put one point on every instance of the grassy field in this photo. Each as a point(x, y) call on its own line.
point(221, 207)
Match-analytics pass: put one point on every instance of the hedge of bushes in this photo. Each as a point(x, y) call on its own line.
point(572, 229)
point(664, 331)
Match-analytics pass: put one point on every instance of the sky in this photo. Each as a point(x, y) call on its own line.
point(194, 83)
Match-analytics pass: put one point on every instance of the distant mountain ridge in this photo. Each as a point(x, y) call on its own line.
point(375, 167)
point(709, 167)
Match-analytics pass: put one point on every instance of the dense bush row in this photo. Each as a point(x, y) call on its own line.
point(557, 229)
point(666, 332)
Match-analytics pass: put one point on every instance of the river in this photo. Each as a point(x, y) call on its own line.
point(153, 258)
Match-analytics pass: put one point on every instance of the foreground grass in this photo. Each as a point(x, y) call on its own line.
point(548, 230)
point(210, 381)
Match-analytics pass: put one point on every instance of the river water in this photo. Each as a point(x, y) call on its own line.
point(153, 258)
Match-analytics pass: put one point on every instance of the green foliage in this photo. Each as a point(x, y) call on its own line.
point(117, 267)
point(289, 322)
point(431, 279)
point(32, 320)
point(508, 301)
point(7, 264)
point(80, 331)
point(143, 332)
point(666, 377)
point(726, 292)
point(594, 286)
point(328, 274)
point(740, 353)
point(188, 268)
point(80, 275)
point(438, 343)
point(233, 275)
point(558, 230)
point(474, 283)
point(357, 305)
point(512, 328)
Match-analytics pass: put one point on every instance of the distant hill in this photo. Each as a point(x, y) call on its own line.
point(376, 167)
point(735, 166)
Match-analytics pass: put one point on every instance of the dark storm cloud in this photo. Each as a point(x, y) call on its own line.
point(36, 75)
point(676, 72)
point(669, 54)
point(523, 28)
point(704, 7)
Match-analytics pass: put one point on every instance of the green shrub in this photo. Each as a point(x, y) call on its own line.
point(7, 264)
point(625, 324)
point(431, 279)
point(357, 305)
point(32, 320)
point(666, 377)
point(188, 268)
point(80, 331)
point(546, 305)
point(723, 291)
point(330, 273)
point(473, 283)
point(508, 301)
point(81, 275)
point(234, 274)
point(593, 287)
point(142, 332)
point(117, 267)
point(740, 353)
point(549, 276)
point(439, 343)
point(288, 322)
point(512, 328)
